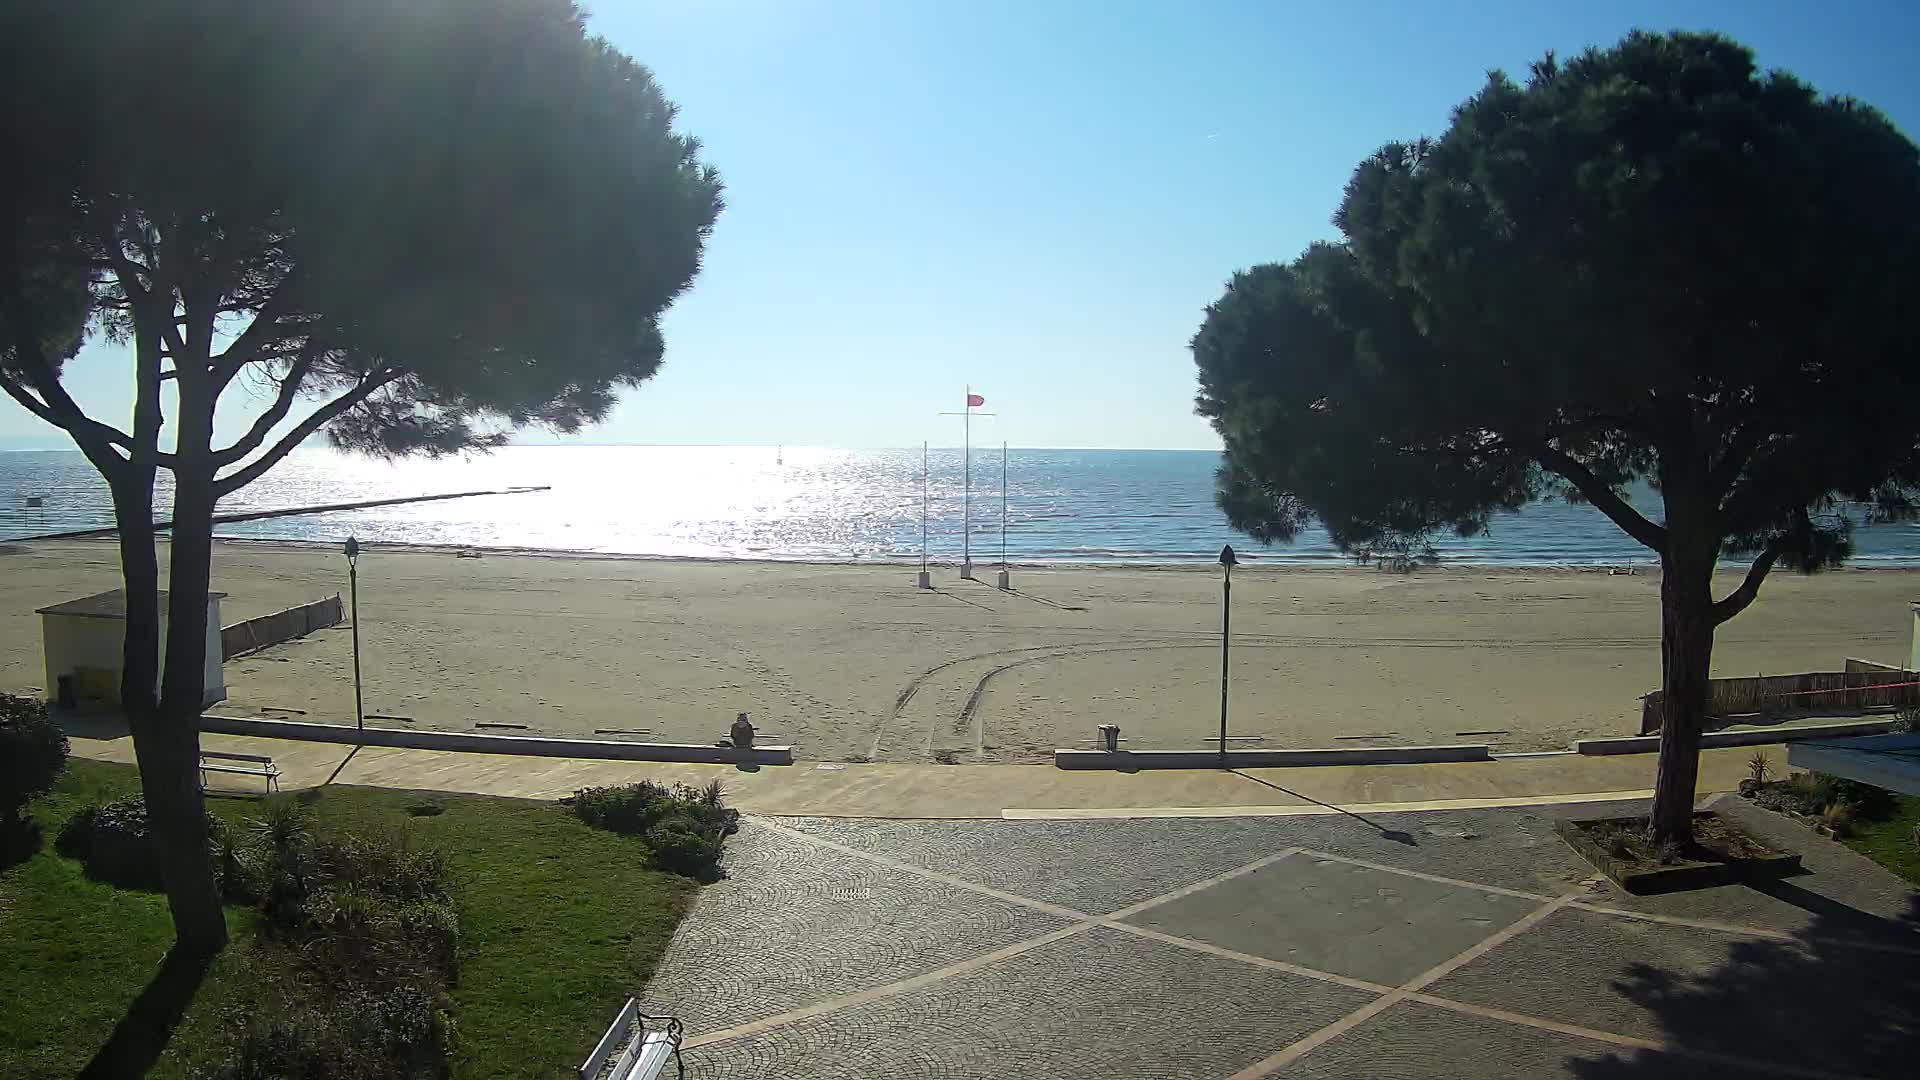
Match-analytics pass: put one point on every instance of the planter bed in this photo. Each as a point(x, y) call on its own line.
point(1721, 853)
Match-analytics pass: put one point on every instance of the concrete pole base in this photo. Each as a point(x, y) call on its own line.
point(966, 569)
point(926, 580)
point(1006, 582)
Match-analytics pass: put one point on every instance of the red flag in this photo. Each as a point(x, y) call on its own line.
point(975, 399)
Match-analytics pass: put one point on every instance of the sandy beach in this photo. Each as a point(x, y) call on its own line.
point(854, 663)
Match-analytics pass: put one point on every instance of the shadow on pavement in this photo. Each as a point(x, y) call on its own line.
point(1843, 1009)
point(142, 1034)
point(1394, 835)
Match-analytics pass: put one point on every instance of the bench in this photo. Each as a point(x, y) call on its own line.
point(649, 1042)
point(245, 764)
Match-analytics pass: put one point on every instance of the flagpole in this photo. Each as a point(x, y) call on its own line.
point(1006, 583)
point(926, 582)
point(966, 489)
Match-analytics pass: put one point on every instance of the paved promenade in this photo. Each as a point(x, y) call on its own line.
point(1469, 945)
point(975, 791)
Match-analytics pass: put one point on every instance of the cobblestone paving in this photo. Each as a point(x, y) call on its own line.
point(1098, 1004)
point(1412, 1040)
point(795, 923)
point(1331, 916)
point(1463, 944)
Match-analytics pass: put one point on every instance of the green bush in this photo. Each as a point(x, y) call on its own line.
point(369, 908)
point(685, 827)
point(115, 844)
point(402, 1033)
point(33, 752)
point(369, 916)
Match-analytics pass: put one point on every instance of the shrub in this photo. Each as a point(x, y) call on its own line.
point(402, 1032)
point(1867, 802)
point(1838, 818)
point(1759, 768)
point(369, 917)
point(33, 752)
point(685, 827)
point(115, 844)
point(681, 846)
point(368, 908)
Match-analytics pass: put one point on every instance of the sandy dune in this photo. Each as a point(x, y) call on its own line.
point(853, 662)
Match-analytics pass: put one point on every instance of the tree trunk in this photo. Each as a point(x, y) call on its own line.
point(1686, 658)
point(168, 752)
point(175, 803)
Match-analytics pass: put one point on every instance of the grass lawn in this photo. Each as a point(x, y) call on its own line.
point(1890, 842)
point(559, 923)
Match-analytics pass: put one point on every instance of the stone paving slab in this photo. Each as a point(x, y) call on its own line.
point(1334, 916)
point(795, 923)
point(1101, 866)
point(1101, 1003)
point(1412, 1041)
point(1843, 1009)
point(801, 924)
point(1091, 866)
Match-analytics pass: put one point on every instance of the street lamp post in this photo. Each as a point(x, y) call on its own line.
point(1226, 624)
point(353, 588)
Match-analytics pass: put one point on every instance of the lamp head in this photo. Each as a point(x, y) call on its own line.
point(353, 550)
point(1227, 557)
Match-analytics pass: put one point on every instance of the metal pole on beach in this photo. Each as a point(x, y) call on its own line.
point(966, 489)
point(926, 581)
point(1006, 583)
point(353, 589)
point(1226, 625)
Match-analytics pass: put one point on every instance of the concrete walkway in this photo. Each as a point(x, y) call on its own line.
point(976, 791)
point(1438, 946)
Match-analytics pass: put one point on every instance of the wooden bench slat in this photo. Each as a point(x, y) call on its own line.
point(244, 764)
point(655, 1049)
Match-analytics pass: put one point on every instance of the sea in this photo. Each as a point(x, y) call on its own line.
point(806, 504)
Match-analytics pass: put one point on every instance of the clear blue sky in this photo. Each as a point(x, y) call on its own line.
point(1039, 198)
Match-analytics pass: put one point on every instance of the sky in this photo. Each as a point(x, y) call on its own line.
point(1039, 199)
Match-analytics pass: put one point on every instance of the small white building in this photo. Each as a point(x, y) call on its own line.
point(84, 641)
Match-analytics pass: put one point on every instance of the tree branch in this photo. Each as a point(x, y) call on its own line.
point(267, 421)
point(1739, 451)
point(56, 407)
point(1602, 496)
point(27, 401)
point(1736, 601)
point(258, 333)
point(320, 417)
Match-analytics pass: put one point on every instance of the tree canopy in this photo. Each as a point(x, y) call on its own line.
point(1651, 258)
point(446, 219)
point(415, 226)
point(1652, 263)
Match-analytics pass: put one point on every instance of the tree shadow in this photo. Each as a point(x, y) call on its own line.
point(1394, 835)
point(1842, 997)
point(143, 1032)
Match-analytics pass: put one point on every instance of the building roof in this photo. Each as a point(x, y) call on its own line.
point(1887, 761)
point(106, 605)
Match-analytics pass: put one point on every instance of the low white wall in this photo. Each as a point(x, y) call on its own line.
point(72, 642)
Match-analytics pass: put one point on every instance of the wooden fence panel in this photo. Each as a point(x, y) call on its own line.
point(276, 627)
point(1813, 691)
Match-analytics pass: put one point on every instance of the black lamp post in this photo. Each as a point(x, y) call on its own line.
point(353, 588)
point(1226, 623)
